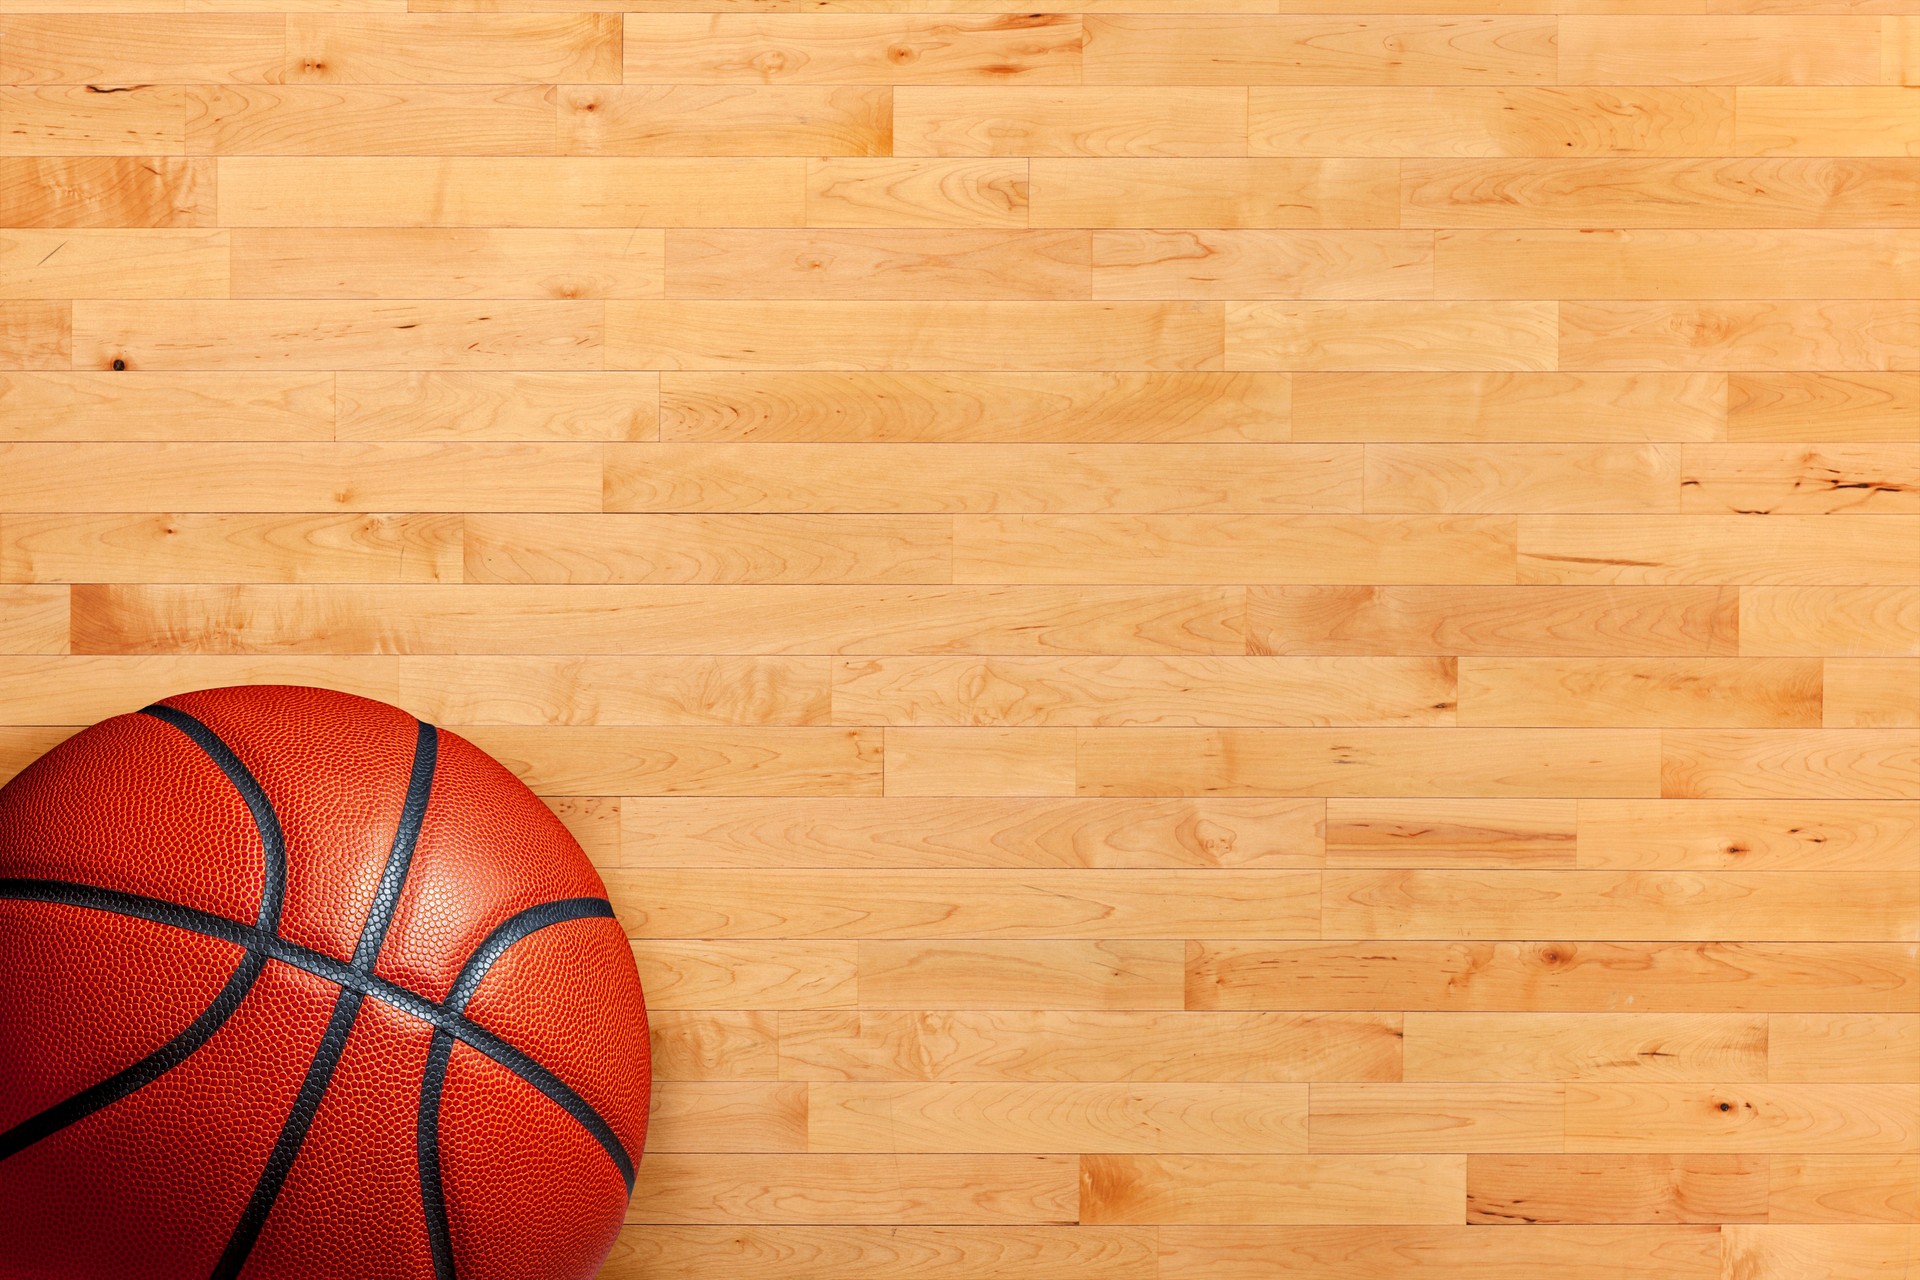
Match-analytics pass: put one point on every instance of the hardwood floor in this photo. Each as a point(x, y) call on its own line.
point(1200, 639)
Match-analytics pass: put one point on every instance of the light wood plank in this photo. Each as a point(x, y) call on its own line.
point(1522, 478)
point(1466, 408)
point(1719, 48)
point(229, 548)
point(1488, 120)
point(166, 406)
point(716, 974)
point(1094, 976)
point(852, 48)
point(105, 191)
point(418, 48)
point(1872, 693)
point(1740, 335)
point(1262, 264)
point(1854, 621)
point(33, 619)
point(1824, 480)
point(1555, 977)
point(1844, 1189)
point(1865, 407)
point(1512, 1191)
point(868, 1252)
point(1213, 192)
point(1556, 1047)
point(1016, 120)
point(1593, 265)
point(1180, 49)
point(1774, 550)
point(691, 760)
point(1835, 1048)
point(1226, 1190)
point(978, 478)
point(1837, 1118)
point(1388, 1118)
point(1792, 120)
point(35, 334)
point(119, 264)
point(913, 192)
point(361, 120)
point(420, 263)
point(1755, 835)
point(479, 405)
point(1762, 693)
point(1055, 1046)
point(1836, 764)
point(76, 120)
point(854, 1188)
point(1366, 832)
point(663, 619)
point(1437, 1253)
point(880, 264)
point(725, 120)
point(163, 48)
point(1414, 336)
point(707, 548)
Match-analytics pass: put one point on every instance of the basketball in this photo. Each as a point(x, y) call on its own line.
point(294, 986)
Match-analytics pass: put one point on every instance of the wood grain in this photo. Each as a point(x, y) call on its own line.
point(1198, 639)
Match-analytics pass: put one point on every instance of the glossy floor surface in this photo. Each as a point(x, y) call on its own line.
point(1200, 639)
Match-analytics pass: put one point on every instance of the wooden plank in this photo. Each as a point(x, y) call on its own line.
point(1872, 693)
point(78, 120)
point(1229, 1190)
point(1233, 548)
point(21, 747)
point(882, 336)
point(690, 760)
point(720, 1117)
point(1778, 192)
point(729, 974)
point(33, 619)
point(1752, 479)
point(229, 548)
point(1554, 977)
point(1761, 693)
point(1719, 48)
point(854, 1188)
point(436, 263)
point(1414, 336)
point(1792, 120)
point(1466, 408)
point(900, 833)
point(859, 192)
point(1388, 1118)
point(35, 334)
point(362, 120)
point(978, 478)
point(707, 548)
point(1807, 906)
point(869, 1252)
point(964, 904)
point(1182, 49)
point(1522, 478)
point(1017, 120)
point(1844, 1189)
point(880, 264)
point(1830, 1252)
point(467, 191)
point(416, 48)
point(1262, 264)
point(852, 48)
point(295, 477)
point(1855, 621)
point(1051, 1045)
point(479, 405)
point(1366, 832)
point(1822, 1048)
point(960, 974)
point(960, 408)
point(1591, 265)
point(1529, 1190)
point(1838, 764)
point(662, 619)
point(1368, 762)
point(1740, 335)
point(1488, 120)
point(105, 191)
point(1221, 193)
point(1454, 1252)
point(162, 48)
point(1556, 1047)
point(1840, 1118)
point(884, 1116)
point(714, 1044)
point(1540, 621)
point(119, 264)
point(281, 334)
point(1117, 692)
point(1793, 407)
point(981, 762)
point(614, 690)
point(1756, 835)
point(725, 120)
point(1788, 550)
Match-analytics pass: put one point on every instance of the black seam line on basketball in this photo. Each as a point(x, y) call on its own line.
point(273, 875)
point(433, 1196)
point(342, 974)
point(144, 1072)
point(293, 1134)
point(413, 811)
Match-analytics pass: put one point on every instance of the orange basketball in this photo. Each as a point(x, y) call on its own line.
point(296, 987)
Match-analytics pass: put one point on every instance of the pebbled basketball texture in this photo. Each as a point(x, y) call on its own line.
point(296, 987)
